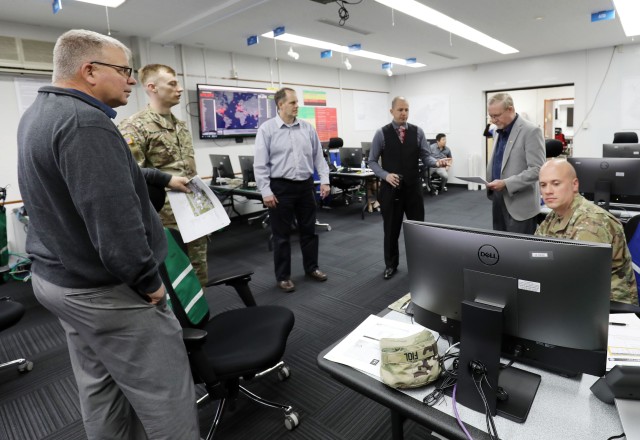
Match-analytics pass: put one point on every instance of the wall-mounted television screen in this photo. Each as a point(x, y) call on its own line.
point(225, 111)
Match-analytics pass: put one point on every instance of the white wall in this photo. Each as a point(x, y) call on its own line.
point(585, 69)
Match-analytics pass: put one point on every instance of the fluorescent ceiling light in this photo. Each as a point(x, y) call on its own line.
point(109, 3)
point(325, 45)
point(629, 14)
point(438, 19)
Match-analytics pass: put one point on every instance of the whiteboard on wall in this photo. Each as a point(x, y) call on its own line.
point(430, 112)
point(371, 110)
point(630, 103)
point(27, 90)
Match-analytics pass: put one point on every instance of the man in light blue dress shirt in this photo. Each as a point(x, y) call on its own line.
point(286, 152)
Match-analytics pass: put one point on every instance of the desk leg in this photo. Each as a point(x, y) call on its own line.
point(233, 206)
point(397, 425)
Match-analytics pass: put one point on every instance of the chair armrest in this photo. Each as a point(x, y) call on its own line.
point(194, 337)
point(240, 282)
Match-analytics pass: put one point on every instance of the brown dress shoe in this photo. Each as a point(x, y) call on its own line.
point(318, 275)
point(287, 286)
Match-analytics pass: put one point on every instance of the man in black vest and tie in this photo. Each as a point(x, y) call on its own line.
point(400, 145)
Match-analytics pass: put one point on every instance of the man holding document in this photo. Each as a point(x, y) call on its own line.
point(159, 140)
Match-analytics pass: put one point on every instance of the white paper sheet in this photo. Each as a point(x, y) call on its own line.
point(361, 348)
point(624, 340)
point(479, 180)
point(199, 212)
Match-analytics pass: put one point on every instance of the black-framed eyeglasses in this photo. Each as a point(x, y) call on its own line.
point(125, 71)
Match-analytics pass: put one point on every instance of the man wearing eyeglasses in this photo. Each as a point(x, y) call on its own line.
point(96, 243)
point(159, 140)
point(512, 172)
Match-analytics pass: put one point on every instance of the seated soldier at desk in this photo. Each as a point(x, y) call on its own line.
point(576, 218)
point(439, 150)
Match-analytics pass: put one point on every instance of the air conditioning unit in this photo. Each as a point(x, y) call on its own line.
point(21, 53)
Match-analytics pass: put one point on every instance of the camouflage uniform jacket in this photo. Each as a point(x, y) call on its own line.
point(157, 143)
point(588, 222)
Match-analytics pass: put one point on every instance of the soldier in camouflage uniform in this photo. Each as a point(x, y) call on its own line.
point(159, 140)
point(576, 218)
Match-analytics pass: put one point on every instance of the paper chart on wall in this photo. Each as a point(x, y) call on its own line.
point(630, 103)
point(430, 112)
point(371, 110)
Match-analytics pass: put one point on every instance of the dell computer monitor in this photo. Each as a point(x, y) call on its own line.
point(608, 181)
point(351, 157)
point(538, 300)
point(621, 150)
point(246, 167)
point(221, 166)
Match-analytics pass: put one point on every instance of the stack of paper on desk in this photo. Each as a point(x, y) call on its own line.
point(624, 340)
point(361, 348)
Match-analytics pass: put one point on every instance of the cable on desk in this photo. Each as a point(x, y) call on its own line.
point(617, 436)
point(455, 411)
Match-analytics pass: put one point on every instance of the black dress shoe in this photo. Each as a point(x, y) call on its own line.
point(389, 272)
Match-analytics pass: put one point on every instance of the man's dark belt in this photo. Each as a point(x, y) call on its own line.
point(282, 179)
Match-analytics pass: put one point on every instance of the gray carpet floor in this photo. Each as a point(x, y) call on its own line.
point(43, 404)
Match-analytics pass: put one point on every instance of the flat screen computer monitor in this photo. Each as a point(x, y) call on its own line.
point(351, 157)
point(538, 300)
point(221, 166)
point(366, 149)
point(608, 180)
point(246, 167)
point(621, 150)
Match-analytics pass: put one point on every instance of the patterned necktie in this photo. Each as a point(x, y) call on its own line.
point(401, 131)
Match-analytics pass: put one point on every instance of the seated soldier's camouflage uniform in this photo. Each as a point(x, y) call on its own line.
point(588, 222)
point(165, 143)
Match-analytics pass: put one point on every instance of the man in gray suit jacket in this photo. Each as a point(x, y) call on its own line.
point(512, 172)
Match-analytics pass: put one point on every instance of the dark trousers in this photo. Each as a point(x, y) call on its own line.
point(395, 203)
point(502, 220)
point(295, 200)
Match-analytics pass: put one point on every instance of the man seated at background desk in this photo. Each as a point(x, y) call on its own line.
point(576, 218)
point(439, 150)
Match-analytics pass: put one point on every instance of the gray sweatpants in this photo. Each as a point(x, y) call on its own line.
point(129, 361)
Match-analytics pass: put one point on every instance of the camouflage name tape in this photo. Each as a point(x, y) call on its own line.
point(409, 362)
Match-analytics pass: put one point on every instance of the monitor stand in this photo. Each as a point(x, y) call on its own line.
point(480, 346)
point(602, 194)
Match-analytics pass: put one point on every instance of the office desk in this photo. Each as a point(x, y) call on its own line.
point(563, 408)
point(363, 175)
point(226, 192)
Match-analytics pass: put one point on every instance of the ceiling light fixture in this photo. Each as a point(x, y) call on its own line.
point(109, 3)
point(415, 9)
point(347, 64)
point(629, 13)
point(387, 67)
point(312, 42)
point(292, 54)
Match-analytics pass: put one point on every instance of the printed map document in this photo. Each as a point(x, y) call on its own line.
point(199, 212)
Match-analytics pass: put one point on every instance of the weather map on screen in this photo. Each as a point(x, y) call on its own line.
point(233, 111)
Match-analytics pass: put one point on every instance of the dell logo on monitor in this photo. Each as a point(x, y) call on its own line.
point(488, 255)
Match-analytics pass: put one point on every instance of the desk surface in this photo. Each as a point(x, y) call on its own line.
point(563, 408)
point(250, 193)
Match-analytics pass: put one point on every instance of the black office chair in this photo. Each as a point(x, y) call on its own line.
point(625, 137)
point(236, 344)
point(10, 313)
point(553, 147)
point(349, 186)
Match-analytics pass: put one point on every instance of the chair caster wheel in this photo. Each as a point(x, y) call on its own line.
point(328, 228)
point(284, 373)
point(291, 421)
point(25, 367)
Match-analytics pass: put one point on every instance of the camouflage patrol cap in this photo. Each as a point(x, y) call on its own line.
point(409, 362)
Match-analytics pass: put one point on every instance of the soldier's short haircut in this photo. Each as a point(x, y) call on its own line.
point(282, 94)
point(440, 136)
point(79, 46)
point(148, 72)
point(504, 98)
